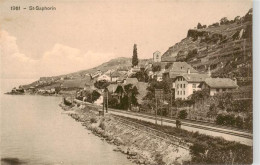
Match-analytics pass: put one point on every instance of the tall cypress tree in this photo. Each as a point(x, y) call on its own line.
point(135, 58)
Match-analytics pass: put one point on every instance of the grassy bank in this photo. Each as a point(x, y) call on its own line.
point(207, 149)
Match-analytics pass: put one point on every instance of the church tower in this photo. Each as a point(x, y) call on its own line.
point(157, 56)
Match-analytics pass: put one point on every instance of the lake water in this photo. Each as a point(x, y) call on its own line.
point(34, 131)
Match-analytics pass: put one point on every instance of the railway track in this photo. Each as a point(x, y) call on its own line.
point(213, 129)
point(233, 133)
point(156, 133)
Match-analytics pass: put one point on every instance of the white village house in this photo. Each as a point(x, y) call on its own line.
point(104, 77)
point(187, 84)
point(115, 76)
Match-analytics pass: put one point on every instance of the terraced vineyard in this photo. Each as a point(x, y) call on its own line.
point(226, 49)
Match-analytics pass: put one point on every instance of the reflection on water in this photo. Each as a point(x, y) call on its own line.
point(33, 131)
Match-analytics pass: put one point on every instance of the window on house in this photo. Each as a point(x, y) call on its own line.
point(183, 92)
point(177, 86)
point(178, 93)
point(193, 91)
point(193, 85)
point(181, 85)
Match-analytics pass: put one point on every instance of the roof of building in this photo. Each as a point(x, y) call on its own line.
point(148, 69)
point(156, 52)
point(122, 77)
point(112, 87)
point(131, 81)
point(141, 65)
point(194, 77)
point(181, 67)
point(123, 68)
point(220, 83)
point(115, 74)
point(168, 59)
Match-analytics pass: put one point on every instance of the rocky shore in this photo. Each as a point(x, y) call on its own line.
point(140, 146)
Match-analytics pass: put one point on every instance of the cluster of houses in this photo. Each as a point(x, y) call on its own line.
point(184, 78)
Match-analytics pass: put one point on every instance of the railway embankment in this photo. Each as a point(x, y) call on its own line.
point(147, 143)
point(141, 144)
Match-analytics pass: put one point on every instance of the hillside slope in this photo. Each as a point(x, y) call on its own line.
point(225, 48)
point(81, 78)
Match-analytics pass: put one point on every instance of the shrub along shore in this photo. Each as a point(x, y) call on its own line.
point(142, 147)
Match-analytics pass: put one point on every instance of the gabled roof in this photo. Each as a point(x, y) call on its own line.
point(131, 81)
point(194, 77)
point(122, 77)
point(220, 83)
point(148, 69)
point(115, 74)
point(112, 87)
point(123, 68)
point(181, 67)
point(168, 59)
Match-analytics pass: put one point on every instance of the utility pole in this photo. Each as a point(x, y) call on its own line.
point(162, 112)
point(107, 103)
point(156, 111)
point(158, 95)
point(171, 104)
point(103, 106)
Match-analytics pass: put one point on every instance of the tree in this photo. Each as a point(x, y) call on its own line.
point(212, 110)
point(224, 21)
point(199, 26)
point(249, 15)
point(141, 76)
point(120, 92)
point(95, 95)
point(183, 114)
point(237, 19)
point(127, 96)
point(57, 89)
point(199, 95)
point(91, 96)
point(135, 58)
point(101, 84)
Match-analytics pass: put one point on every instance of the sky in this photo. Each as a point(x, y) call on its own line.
point(81, 34)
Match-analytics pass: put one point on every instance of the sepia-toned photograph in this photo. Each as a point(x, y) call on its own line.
point(129, 82)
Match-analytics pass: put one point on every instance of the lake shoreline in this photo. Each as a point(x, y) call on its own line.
point(139, 146)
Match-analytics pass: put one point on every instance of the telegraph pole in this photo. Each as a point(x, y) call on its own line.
point(107, 102)
point(171, 104)
point(158, 93)
point(103, 106)
point(162, 112)
point(156, 111)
